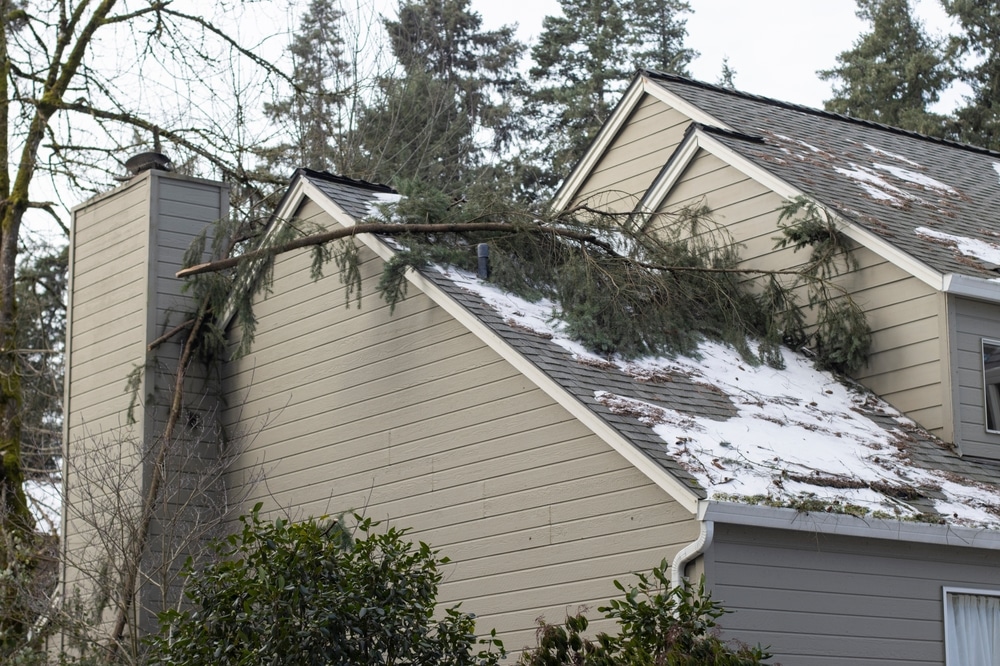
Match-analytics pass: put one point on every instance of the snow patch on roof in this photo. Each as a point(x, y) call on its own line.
point(996, 167)
point(919, 179)
point(382, 200)
point(895, 156)
point(799, 142)
point(800, 434)
point(969, 247)
point(876, 186)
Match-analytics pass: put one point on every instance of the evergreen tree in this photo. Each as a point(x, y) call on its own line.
point(727, 77)
point(978, 122)
point(585, 59)
point(313, 110)
point(656, 35)
point(448, 105)
point(893, 73)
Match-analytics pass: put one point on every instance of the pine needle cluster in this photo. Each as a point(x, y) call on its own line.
point(630, 286)
point(622, 284)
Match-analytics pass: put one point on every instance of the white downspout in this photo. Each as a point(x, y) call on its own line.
point(693, 549)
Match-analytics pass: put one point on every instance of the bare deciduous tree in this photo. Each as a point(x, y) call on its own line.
point(82, 82)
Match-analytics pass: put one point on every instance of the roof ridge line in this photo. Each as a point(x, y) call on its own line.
point(818, 112)
point(343, 180)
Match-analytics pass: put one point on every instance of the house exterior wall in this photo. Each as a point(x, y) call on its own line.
point(819, 599)
point(972, 321)
point(904, 313)
point(121, 289)
point(634, 158)
point(409, 417)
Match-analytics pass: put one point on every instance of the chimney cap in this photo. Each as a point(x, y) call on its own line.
point(149, 161)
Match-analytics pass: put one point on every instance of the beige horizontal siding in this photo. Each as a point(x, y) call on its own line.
point(634, 157)
point(114, 312)
point(905, 366)
point(106, 323)
point(409, 417)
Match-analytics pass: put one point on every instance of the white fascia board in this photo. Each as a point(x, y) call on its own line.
point(668, 176)
point(673, 487)
point(981, 289)
point(846, 525)
point(873, 242)
point(573, 183)
point(692, 111)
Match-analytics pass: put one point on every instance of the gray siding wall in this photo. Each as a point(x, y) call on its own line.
point(971, 322)
point(820, 600)
point(409, 417)
point(905, 314)
point(125, 247)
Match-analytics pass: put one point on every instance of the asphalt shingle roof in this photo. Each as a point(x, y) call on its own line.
point(883, 179)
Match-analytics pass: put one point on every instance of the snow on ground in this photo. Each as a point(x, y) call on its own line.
point(970, 247)
point(800, 434)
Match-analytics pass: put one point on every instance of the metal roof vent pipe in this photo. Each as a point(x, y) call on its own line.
point(483, 252)
point(150, 161)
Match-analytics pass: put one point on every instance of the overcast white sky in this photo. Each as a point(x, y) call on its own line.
point(775, 46)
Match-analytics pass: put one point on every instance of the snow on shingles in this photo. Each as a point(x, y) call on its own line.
point(970, 247)
point(797, 141)
point(879, 188)
point(876, 186)
point(794, 426)
point(382, 200)
point(918, 179)
point(996, 167)
point(886, 153)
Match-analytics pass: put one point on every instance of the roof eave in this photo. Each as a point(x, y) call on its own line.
point(847, 525)
point(981, 289)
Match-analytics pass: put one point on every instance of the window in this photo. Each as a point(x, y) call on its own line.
point(991, 383)
point(971, 627)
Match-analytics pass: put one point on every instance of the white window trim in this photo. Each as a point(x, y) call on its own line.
point(945, 591)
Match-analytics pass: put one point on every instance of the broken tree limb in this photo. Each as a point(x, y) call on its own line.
point(388, 229)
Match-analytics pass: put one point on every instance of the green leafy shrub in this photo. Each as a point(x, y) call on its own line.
point(308, 593)
point(658, 625)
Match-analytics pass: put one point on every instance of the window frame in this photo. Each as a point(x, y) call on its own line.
point(986, 388)
point(945, 591)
